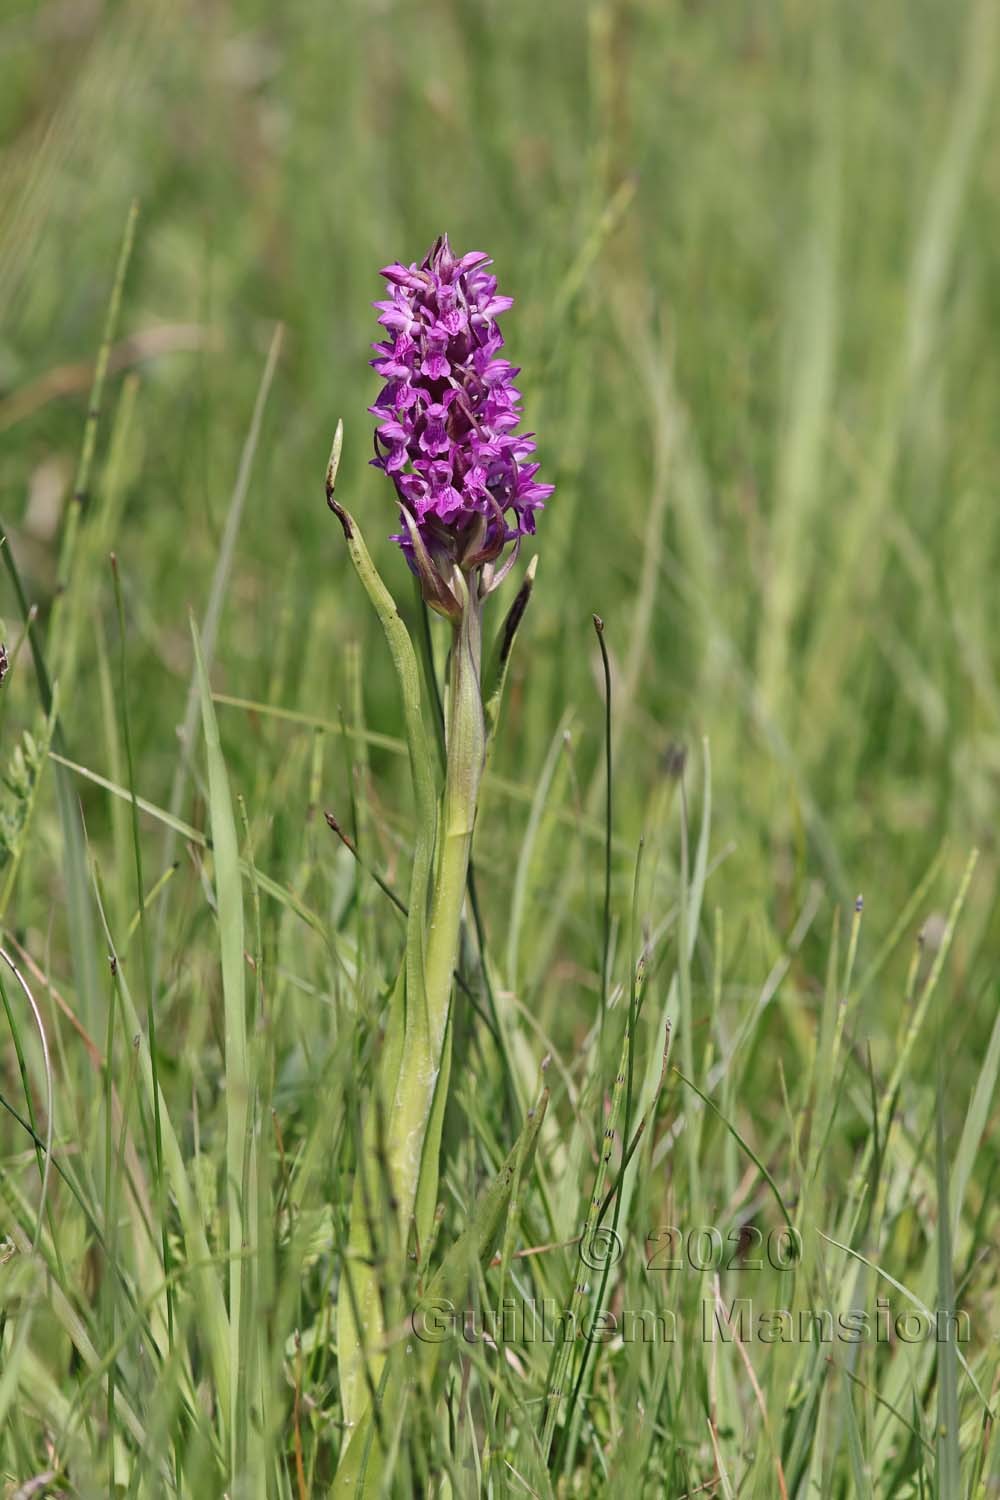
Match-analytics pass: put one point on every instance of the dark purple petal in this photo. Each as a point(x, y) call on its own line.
point(434, 438)
point(407, 276)
point(471, 259)
point(435, 367)
point(496, 306)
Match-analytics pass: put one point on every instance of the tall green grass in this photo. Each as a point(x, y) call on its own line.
point(754, 255)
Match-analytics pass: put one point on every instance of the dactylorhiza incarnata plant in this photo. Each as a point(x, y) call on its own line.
point(447, 437)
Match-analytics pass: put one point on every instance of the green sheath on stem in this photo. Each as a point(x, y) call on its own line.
point(403, 1126)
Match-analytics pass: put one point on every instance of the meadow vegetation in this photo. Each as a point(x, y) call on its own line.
point(755, 251)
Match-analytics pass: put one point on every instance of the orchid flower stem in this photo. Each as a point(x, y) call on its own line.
point(407, 1110)
point(415, 1123)
point(425, 650)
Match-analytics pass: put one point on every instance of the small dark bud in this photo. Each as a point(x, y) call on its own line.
point(335, 827)
point(674, 760)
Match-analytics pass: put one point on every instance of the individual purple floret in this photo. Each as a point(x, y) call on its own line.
point(449, 414)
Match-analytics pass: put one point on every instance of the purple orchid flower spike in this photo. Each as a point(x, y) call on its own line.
point(447, 434)
point(467, 488)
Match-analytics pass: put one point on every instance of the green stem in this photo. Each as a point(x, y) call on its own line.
point(413, 1082)
point(414, 1167)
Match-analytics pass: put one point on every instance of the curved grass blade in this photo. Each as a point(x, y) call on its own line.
point(745, 1147)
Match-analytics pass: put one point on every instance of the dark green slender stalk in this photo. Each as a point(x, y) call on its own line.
point(608, 818)
point(564, 1458)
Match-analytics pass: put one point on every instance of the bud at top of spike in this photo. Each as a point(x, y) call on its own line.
point(449, 413)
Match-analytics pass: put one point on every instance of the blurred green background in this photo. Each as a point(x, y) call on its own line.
point(756, 255)
point(755, 251)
